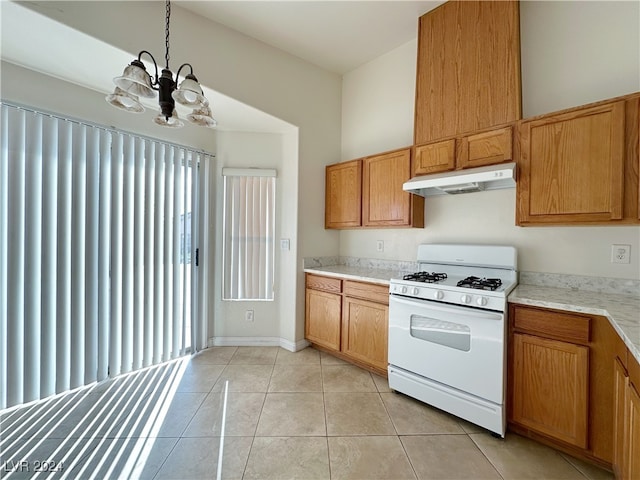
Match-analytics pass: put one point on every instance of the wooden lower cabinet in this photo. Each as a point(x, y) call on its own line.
point(551, 384)
point(561, 380)
point(626, 460)
point(365, 331)
point(323, 313)
point(348, 319)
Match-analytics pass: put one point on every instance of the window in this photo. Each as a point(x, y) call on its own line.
point(248, 236)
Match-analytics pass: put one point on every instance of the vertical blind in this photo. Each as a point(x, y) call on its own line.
point(97, 253)
point(248, 237)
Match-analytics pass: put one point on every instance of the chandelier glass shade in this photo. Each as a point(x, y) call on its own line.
point(136, 82)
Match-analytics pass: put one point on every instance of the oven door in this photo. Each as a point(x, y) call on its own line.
point(460, 347)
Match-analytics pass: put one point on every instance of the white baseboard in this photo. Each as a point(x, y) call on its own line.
point(257, 342)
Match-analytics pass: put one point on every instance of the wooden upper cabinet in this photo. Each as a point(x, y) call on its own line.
point(343, 195)
point(384, 202)
point(468, 72)
point(572, 165)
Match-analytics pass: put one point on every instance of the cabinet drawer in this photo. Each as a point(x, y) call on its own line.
point(434, 157)
point(367, 291)
point(553, 324)
point(485, 148)
point(327, 284)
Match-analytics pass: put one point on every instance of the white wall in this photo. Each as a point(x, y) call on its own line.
point(555, 37)
point(271, 320)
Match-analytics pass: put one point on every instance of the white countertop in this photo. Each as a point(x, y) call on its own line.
point(623, 311)
point(359, 274)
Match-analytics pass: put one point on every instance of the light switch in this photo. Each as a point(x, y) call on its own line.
point(284, 244)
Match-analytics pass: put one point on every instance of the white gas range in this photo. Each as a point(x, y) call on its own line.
point(447, 330)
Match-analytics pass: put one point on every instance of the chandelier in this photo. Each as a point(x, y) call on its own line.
point(136, 82)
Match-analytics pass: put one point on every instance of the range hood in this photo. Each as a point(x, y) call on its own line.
point(469, 180)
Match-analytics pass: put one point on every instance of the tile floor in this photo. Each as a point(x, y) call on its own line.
point(304, 415)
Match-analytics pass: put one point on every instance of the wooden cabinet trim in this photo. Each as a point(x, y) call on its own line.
point(553, 324)
point(367, 291)
point(320, 282)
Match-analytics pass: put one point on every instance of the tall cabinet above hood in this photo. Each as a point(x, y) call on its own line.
point(469, 180)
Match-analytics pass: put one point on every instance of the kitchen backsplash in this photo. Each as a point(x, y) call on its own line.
point(621, 286)
point(361, 262)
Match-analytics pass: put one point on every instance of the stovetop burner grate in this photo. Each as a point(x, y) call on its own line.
point(425, 277)
point(480, 283)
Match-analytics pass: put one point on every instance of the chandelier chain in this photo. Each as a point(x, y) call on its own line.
point(166, 56)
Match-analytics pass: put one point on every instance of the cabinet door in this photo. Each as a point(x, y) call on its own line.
point(434, 157)
point(486, 148)
point(322, 318)
point(468, 72)
point(365, 331)
point(384, 203)
point(551, 387)
point(343, 194)
point(620, 383)
point(572, 166)
point(632, 470)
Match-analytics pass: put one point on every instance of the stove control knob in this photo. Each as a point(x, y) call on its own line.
point(439, 295)
point(403, 290)
point(416, 291)
point(465, 299)
point(482, 301)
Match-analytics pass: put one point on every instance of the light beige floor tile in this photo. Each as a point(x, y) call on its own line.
point(411, 416)
point(296, 378)
point(305, 356)
point(382, 384)
point(245, 378)
point(292, 414)
point(592, 472)
point(356, 414)
point(214, 355)
point(435, 457)
point(281, 458)
point(519, 458)
point(368, 458)
point(242, 415)
point(172, 421)
point(347, 378)
point(328, 359)
point(197, 458)
point(199, 377)
point(254, 356)
point(139, 458)
point(469, 427)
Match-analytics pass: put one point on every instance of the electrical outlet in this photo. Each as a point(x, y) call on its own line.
point(248, 315)
point(620, 253)
point(380, 245)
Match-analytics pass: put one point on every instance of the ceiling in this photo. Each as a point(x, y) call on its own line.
point(337, 36)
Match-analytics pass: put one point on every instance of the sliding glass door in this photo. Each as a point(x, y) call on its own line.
point(98, 251)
